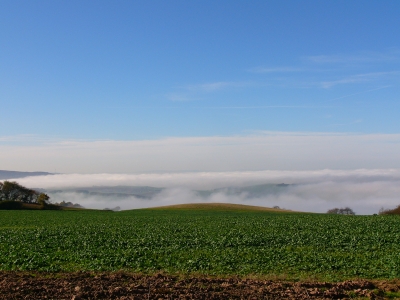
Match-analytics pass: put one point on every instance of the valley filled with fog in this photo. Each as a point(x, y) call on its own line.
point(365, 191)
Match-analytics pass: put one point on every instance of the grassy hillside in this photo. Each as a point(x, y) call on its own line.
point(216, 242)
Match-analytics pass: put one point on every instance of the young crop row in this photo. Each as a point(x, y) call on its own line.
point(292, 245)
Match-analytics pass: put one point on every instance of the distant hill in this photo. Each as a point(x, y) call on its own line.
point(253, 191)
point(144, 192)
point(4, 175)
point(148, 192)
point(218, 207)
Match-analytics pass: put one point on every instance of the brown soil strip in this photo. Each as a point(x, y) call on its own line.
point(20, 285)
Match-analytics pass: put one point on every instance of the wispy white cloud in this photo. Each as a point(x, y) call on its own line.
point(310, 67)
point(363, 92)
point(196, 91)
point(359, 78)
point(26, 139)
point(275, 70)
point(267, 107)
point(214, 86)
point(179, 97)
point(390, 55)
point(18, 138)
point(349, 123)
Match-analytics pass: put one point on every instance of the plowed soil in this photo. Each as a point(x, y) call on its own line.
point(19, 285)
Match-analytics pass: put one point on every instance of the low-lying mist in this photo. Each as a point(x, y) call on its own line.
point(365, 191)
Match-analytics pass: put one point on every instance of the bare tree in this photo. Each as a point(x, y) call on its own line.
point(394, 211)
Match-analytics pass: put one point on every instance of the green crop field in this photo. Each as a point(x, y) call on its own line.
point(286, 245)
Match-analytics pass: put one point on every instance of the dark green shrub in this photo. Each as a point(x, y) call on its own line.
point(9, 205)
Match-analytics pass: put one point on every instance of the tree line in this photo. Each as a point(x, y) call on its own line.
point(341, 211)
point(13, 191)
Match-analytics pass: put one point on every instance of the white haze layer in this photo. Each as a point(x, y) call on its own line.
point(365, 191)
point(254, 152)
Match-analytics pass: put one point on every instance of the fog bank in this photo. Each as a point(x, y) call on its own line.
point(366, 191)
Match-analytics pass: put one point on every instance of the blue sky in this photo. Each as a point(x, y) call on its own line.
point(177, 86)
point(134, 70)
point(199, 94)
